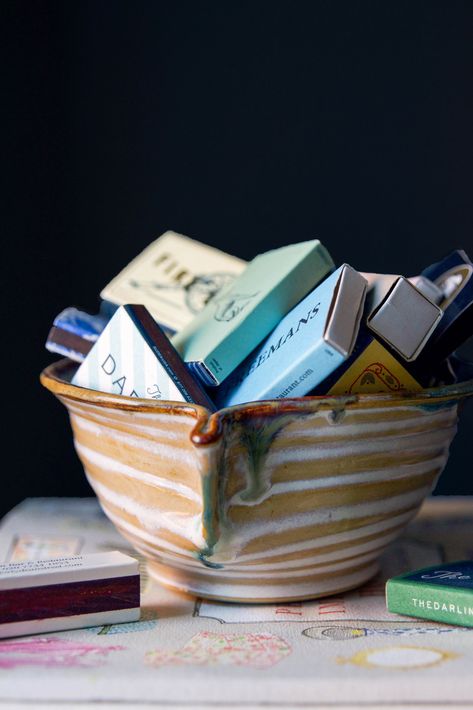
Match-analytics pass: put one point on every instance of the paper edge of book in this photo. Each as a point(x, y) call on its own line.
point(67, 623)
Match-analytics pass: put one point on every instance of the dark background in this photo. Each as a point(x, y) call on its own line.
point(246, 125)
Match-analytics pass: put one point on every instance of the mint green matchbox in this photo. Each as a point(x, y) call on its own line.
point(221, 336)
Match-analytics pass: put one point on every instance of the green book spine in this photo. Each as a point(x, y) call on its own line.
point(446, 604)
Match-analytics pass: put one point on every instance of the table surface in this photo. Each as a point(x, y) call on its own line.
point(337, 652)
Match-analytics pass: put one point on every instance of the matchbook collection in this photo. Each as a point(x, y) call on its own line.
point(186, 322)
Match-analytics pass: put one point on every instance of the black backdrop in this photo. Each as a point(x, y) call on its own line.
point(247, 125)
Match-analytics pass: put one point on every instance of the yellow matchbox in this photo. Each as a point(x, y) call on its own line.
point(374, 370)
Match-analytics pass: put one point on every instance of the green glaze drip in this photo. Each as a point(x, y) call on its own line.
point(257, 437)
point(202, 557)
point(337, 415)
point(213, 486)
point(257, 440)
point(209, 517)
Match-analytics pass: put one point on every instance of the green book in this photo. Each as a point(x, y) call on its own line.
point(440, 593)
point(220, 337)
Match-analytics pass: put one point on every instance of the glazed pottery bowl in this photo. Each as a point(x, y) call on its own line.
point(269, 501)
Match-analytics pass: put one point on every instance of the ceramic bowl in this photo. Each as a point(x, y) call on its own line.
point(262, 502)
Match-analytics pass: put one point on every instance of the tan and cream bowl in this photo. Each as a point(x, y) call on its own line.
point(273, 501)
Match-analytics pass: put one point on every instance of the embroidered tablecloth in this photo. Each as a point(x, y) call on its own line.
point(344, 651)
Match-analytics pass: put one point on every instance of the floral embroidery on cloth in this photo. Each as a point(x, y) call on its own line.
point(208, 648)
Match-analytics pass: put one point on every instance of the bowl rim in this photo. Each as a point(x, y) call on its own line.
point(209, 425)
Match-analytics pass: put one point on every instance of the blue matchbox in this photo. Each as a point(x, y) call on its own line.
point(311, 341)
point(74, 333)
